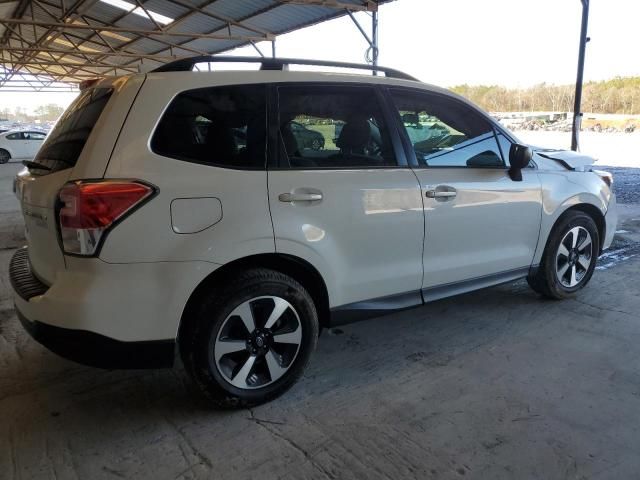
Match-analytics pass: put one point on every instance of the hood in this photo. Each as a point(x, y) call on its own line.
point(568, 158)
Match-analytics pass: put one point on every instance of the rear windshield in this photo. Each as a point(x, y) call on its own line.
point(66, 141)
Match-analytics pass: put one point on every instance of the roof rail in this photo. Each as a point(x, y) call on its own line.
point(187, 64)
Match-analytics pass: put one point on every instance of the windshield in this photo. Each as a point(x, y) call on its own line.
point(66, 141)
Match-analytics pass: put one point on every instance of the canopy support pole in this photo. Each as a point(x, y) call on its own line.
point(577, 114)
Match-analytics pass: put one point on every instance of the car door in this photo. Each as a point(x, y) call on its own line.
point(353, 210)
point(481, 227)
point(16, 144)
point(32, 143)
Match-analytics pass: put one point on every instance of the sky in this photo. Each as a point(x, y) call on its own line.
point(514, 43)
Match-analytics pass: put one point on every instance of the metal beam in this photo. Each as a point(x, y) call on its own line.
point(577, 114)
point(374, 41)
point(59, 51)
point(109, 66)
point(370, 5)
point(149, 33)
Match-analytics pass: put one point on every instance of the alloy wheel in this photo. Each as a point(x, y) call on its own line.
point(574, 257)
point(258, 342)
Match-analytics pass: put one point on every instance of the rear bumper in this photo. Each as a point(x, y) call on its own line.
point(107, 315)
point(97, 350)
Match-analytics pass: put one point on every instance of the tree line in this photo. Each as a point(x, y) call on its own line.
point(45, 113)
point(618, 95)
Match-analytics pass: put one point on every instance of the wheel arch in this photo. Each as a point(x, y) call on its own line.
point(588, 208)
point(4, 149)
point(295, 267)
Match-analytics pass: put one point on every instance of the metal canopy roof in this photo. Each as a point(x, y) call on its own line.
point(46, 43)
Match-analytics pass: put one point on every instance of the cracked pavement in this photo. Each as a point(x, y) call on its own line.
point(494, 384)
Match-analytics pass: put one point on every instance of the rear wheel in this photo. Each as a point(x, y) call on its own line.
point(569, 259)
point(4, 156)
point(252, 340)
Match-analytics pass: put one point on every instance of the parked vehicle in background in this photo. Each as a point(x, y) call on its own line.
point(305, 137)
point(20, 144)
point(176, 211)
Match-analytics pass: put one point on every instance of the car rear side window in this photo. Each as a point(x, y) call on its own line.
point(64, 144)
point(332, 127)
point(221, 126)
point(446, 133)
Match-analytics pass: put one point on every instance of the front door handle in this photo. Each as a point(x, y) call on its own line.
point(440, 194)
point(299, 197)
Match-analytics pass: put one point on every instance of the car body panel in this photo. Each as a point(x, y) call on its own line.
point(93, 160)
point(15, 146)
point(245, 226)
point(365, 235)
point(490, 226)
point(563, 190)
point(37, 196)
point(91, 294)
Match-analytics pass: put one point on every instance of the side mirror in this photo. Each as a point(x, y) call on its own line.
point(519, 158)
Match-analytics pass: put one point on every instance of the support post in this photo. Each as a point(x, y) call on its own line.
point(372, 51)
point(273, 48)
point(374, 40)
point(577, 114)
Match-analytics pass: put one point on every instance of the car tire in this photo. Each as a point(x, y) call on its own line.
point(4, 156)
point(236, 357)
point(316, 144)
point(569, 258)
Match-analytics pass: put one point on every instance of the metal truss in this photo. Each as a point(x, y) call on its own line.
point(48, 45)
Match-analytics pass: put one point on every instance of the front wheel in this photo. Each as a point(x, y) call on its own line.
point(251, 340)
point(569, 259)
point(4, 156)
point(316, 144)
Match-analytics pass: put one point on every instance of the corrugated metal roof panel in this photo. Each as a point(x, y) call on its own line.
point(199, 23)
point(163, 7)
point(239, 10)
point(283, 17)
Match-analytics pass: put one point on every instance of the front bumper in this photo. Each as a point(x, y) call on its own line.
point(611, 222)
point(97, 350)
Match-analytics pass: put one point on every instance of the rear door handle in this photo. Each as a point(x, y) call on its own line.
point(440, 194)
point(299, 197)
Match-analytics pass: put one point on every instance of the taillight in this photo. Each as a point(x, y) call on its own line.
point(89, 209)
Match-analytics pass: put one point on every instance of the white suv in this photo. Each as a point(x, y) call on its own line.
point(177, 211)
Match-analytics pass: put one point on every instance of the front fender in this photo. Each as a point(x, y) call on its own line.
point(564, 190)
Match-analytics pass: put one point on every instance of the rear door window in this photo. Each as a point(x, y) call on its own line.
point(66, 141)
point(218, 126)
point(332, 127)
point(34, 136)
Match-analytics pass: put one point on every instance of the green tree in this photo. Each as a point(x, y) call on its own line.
point(618, 95)
point(49, 112)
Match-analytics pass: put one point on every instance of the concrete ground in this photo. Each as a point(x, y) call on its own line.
point(493, 384)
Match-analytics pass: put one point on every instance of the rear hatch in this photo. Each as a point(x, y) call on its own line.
point(67, 151)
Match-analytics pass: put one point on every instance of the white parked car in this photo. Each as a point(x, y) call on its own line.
point(20, 144)
point(176, 211)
